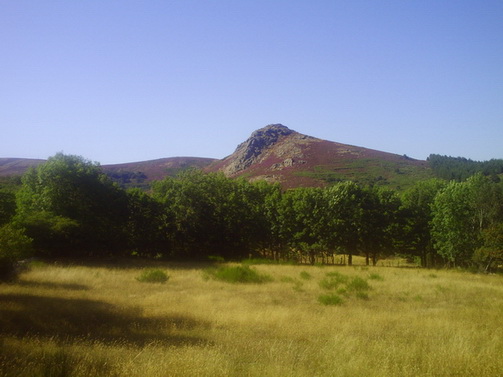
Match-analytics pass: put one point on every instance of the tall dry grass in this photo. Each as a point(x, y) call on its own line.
point(101, 321)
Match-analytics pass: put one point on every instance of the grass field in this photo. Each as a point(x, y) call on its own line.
point(75, 320)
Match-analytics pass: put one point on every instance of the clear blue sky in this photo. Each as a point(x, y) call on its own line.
point(120, 81)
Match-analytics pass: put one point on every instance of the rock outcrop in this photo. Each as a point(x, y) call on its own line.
point(252, 150)
point(273, 140)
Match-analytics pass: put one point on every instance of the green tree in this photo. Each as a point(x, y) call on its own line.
point(455, 233)
point(7, 206)
point(345, 217)
point(461, 213)
point(301, 215)
point(491, 251)
point(415, 218)
point(213, 215)
point(147, 227)
point(380, 222)
point(70, 207)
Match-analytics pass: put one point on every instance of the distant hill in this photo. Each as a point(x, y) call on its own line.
point(17, 166)
point(137, 173)
point(127, 174)
point(278, 154)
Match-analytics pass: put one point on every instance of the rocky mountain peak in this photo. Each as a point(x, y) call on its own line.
point(262, 139)
point(249, 151)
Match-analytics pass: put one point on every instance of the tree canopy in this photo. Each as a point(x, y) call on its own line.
point(68, 207)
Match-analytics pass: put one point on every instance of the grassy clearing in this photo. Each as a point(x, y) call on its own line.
point(101, 321)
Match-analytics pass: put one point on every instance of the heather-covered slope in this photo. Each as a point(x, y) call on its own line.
point(148, 171)
point(277, 154)
point(16, 166)
point(134, 174)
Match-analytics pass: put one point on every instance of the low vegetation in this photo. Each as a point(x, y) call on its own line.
point(79, 321)
point(237, 274)
point(153, 276)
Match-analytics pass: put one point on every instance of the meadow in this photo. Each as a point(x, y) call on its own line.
point(106, 320)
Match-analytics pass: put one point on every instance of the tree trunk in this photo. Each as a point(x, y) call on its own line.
point(489, 264)
point(374, 259)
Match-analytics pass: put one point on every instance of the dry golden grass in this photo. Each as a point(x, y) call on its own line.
point(101, 321)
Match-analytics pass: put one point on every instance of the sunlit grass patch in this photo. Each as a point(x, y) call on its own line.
point(94, 321)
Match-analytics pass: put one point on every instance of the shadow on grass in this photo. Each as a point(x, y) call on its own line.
point(131, 263)
point(52, 285)
point(81, 319)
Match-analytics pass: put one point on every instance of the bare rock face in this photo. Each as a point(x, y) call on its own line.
point(260, 141)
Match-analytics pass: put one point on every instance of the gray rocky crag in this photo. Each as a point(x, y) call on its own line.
point(251, 150)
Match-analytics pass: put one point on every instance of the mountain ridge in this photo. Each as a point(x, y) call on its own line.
point(274, 153)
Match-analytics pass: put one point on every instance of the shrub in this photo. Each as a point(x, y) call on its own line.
point(237, 274)
point(374, 276)
point(305, 275)
point(330, 299)
point(14, 246)
point(343, 285)
point(357, 284)
point(332, 280)
point(153, 276)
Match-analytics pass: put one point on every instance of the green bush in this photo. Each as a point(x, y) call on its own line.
point(14, 246)
point(330, 299)
point(332, 280)
point(374, 276)
point(357, 284)
point(153, 276)
point(305, 275)
point(237, 274)
point(343, 285)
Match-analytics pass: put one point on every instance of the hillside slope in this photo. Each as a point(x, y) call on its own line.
point(134, 172)
point(17, 166)
point(153, 170)
point(278, 154)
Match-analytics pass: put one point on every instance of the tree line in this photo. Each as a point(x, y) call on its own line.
point(460, 168)
point(68, 207)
